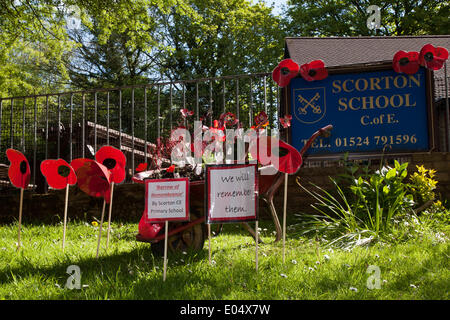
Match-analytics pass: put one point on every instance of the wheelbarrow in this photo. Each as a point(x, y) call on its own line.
point(191, 235)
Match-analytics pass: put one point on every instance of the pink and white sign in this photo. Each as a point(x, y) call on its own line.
point(231, 193)
point(167, 199)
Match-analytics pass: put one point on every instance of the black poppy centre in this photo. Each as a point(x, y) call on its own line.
point(109, 163)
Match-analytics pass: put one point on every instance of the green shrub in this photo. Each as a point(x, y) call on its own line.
point(375, 204)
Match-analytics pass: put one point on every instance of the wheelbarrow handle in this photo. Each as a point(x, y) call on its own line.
point(323, 132)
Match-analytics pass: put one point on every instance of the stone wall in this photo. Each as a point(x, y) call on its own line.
point(129, 198)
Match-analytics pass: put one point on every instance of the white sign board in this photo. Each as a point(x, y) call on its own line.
point(231, 193)
point(167, 199)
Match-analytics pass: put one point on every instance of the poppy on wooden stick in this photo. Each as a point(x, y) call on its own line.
point(406, 62)
point(315, 70)
point(433, 57)
point(58, 173)
point(284, 72)
point(114, 160)
point(19, 170)
point(19, 174)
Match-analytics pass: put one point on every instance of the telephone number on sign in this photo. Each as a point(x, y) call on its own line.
point(398, 139)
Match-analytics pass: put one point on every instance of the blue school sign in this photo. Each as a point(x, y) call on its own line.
point(368, 110)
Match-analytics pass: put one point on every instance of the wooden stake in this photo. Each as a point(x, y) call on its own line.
point(65, 217)
point(100, 227)
point(109, 215)
point(209, 243)
point(284, 215)
point(20, 218)
point(256, 250)
point(165, 250)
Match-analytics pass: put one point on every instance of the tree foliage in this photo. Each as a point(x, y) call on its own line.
point(349, 17)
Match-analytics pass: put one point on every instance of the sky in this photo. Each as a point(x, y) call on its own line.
point(277, 5)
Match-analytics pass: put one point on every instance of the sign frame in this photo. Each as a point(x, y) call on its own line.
point(161, 220)
point(286, 105)
point(208, 189)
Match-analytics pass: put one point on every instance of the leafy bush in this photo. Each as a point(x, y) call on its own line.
point(375, 204)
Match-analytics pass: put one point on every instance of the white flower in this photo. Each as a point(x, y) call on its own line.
point(354, 289)
point(413, 286)
point(283, 275)
point(311, 269)
point(326, 257)
point(294, 261)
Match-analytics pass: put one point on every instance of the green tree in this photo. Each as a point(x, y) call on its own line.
point(349, 17)
point(33, 47)
point(223, 37)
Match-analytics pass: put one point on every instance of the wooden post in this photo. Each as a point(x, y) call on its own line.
point(165, 250)
point(284, 215)
point(20, 218)
point(100, 227)
point(65, 217)
point(256, 250)
point(209, 243)
point(109, 215)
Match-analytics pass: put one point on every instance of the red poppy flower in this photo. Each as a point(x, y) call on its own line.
point(433, 57)
point(315, 70)
point(228, 119)
point(261, 119)
point(171, 168)
point(148, 230)
point(406, 62)
point(19, 171)
point(114, 160)
point(289, 159)
point(286, 121)
point(93, 177)
point(142, 167)
point(186, 113)
point(58, 173)
point(284, 72)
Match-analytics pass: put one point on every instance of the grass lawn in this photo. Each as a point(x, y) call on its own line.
point(417, 269)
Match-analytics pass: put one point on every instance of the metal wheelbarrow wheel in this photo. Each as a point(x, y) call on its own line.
point(191, 239)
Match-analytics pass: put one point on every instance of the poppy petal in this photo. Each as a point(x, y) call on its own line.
point(52, 169)
point(19, 172)
point(433, 57)
point(284, 72)
point(315, 70)
point(93, 178)
point(289, 163)
point(406, 62)
point(114, 160)
point(149, 230)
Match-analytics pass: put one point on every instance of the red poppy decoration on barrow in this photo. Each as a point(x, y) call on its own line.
point(315, 70)
point(284, 72)
point(286, 121)
point(433, 57)
point(58, 173)
point(114, 160)
point(93, 178)
point(289, 159)
point(406, 62)
point(19, 171)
